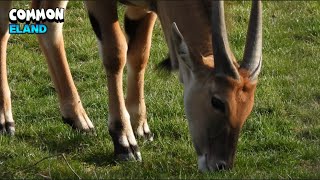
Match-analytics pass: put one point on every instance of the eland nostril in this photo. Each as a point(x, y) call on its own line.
point(221, 165)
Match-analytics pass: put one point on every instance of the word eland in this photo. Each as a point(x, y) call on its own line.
point(28, 29)
point(36, 16)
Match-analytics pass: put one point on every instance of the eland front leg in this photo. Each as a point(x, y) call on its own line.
point(138, 26)
point(113, 49)
point(52, 45)
point(6, 119)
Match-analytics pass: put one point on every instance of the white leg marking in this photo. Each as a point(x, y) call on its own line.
point(202, 163)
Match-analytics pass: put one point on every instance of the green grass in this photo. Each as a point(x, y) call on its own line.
point(281, 139)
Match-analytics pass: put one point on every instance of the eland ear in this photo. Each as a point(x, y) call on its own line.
point(180, 47)
point(186, 65)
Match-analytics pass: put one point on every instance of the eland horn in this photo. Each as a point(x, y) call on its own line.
point(252, 58)
point(223, 62)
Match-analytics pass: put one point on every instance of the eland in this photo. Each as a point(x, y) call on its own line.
point(218, 92)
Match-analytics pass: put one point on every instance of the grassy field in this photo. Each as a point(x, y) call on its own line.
point(281, 138)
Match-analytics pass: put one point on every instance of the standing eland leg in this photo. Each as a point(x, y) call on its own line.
point(113, 49)
point(138, 26)
point(6, 119)
point(52, 45)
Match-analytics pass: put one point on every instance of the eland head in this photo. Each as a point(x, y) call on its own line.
point(219, 98)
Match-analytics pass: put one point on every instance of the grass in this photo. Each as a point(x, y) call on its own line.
point(281, 139)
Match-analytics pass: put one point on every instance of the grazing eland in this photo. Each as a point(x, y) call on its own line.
point(218, 92)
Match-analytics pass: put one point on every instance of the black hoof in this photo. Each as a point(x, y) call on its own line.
point(124, 151)
point(8, 128)
point(71, 123)
point(149, 136)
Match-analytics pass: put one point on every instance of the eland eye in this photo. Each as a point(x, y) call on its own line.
point(218, 104)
